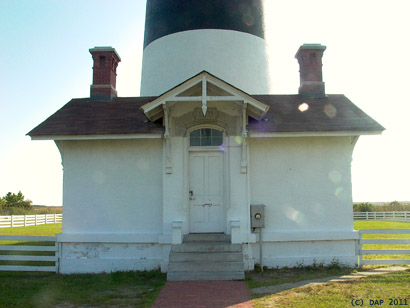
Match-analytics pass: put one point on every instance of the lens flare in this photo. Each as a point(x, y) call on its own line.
point(303, 107)
point(335, 176)
point(294, 214)
point(238, 139)
point(330, 111)
point(340, 193)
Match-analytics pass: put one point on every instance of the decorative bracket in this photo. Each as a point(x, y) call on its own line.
point(244, 161)
point(167, 135)
point(204, 106)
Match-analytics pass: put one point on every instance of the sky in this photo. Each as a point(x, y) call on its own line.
point(45, 62)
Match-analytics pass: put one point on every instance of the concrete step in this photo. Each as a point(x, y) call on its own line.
point(206, 247)
point(206, 257)
point(181, 276)
point(211, 257)
point(207, 237)
point(205, 266)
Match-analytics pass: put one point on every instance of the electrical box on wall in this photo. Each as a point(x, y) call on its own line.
point(258, 216)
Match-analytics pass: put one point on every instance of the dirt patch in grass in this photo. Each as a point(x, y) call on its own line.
point(268, 277)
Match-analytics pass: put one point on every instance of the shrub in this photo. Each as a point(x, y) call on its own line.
point(363, 207)
point(12, 200)
point(14, 204)
point(2, 204)
point(394, 206)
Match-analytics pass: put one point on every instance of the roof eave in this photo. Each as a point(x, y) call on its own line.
point(97, 137)
point(254, 134)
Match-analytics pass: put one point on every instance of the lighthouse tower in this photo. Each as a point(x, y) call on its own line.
point(224, 37)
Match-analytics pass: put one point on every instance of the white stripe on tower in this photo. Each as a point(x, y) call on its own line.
point(223, 37)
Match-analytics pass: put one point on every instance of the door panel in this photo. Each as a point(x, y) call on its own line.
point(206, 184)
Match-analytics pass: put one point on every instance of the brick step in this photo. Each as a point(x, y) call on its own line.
point(206, 247)
point(182, 276)
point(211, 257)
point(205, 266)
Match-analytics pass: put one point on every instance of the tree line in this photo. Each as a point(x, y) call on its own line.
point(12, 202)
point(17, 204)
point(394, 206)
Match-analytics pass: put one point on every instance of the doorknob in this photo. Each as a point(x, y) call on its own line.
point(209, 204)
point(191, 195)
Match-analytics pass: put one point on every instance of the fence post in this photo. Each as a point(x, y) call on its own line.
point(367, 215)
point(405, 215)
point(359, 249)
point(394, 215)
point(25, 220)
point(35, 220)
point(12, 221)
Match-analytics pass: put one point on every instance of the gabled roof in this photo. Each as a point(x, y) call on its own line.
point(293, 113)
point(123, 116)
point(204, 87)
point(136, 117)
point(84, 117)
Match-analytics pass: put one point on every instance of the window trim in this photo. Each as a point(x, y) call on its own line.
point(205, 147)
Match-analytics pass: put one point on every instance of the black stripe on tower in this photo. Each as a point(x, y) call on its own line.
point(164, 17)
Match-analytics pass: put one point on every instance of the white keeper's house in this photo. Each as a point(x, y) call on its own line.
point(170, 179)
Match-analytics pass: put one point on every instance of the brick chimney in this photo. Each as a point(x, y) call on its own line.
point(310, 62)
point(105, 65)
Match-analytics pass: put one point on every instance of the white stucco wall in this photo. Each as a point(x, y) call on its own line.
point(305, 184)
point(120, 203)
point(112, 186)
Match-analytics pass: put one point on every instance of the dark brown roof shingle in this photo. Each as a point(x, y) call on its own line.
point(330, 114)
point(124, 116)
point(87, 117)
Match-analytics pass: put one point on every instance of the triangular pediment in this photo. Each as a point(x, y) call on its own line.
point(211, 90)
point(204, 88)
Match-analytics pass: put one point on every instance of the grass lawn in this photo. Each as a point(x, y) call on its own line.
point(384, 225)
point(139, 289)
point(121, 289)
point(368, 224)
point(40, 230)
point(337, 294)
point(341, 294)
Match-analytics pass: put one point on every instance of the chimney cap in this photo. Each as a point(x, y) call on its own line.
point(104, 49)
point(310, 47)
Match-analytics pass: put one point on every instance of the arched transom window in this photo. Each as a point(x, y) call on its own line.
point(205, 137)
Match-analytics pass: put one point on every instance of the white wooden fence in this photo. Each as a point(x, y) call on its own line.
point(29, 220)
point(361, 252)
point(399, 216)
point(32, 249)
point(36, 249)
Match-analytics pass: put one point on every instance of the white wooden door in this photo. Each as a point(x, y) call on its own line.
point(206, 192)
